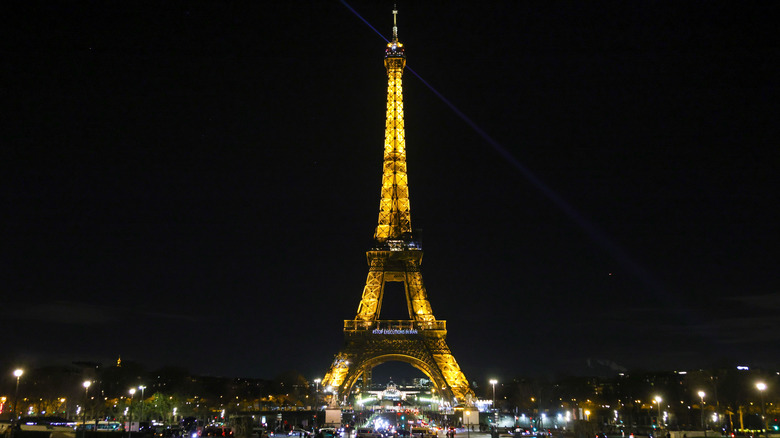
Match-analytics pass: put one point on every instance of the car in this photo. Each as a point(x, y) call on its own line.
point(217, 431)
point(388, 433)
point(260, 432)
point(329, 432)
point(365, 432)
point(421, 432)
point(170, 432)
point(505, 432)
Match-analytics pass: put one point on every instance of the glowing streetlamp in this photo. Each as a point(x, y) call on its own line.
point(130, 423)
point(701, 409)
point(761, 386)
point(18, 373)
point(142, 402)
point(468, 423)
point(84, 414)
point(658, 401)
point(493, 382)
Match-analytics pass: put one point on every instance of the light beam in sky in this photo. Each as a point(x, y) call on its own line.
point(649, 280)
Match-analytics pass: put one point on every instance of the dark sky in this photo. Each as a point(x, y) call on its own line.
point(196, 183)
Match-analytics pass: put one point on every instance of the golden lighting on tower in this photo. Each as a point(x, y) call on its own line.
point(396, 257)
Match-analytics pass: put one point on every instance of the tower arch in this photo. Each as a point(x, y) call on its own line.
point(432, 372)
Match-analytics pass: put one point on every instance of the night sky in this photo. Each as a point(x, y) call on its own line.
point(196, 183)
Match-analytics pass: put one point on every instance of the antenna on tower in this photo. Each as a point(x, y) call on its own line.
point(395, 22)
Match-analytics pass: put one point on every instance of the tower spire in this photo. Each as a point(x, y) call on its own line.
point(395, 23)
point(394, 215)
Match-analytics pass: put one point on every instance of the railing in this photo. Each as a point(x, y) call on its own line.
point(394, 326)
point(407, 242)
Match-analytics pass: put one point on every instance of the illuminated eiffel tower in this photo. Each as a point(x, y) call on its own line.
point(396, 257)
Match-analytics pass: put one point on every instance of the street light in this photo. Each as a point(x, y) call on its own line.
point(468, 424)
point(317, 391)
point(18, 373)
point(84, 415)
point(316, 398)
point(130, 423)
point(658, 401)
point(142, 403)
point(701, 409)
point(493, 382)
point(761, 388)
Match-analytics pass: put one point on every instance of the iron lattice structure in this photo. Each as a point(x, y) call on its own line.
point(396, 257)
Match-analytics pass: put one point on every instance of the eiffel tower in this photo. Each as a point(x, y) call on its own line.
point(396, 257)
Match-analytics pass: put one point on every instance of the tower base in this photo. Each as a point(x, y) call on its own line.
point(419, 343)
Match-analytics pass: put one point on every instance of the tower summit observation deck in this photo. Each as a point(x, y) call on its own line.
point(396, 257)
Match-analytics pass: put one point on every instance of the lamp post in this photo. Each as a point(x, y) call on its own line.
point(130, 422)
point(658, 401)
point(84, 414)
point(142, 403)
point(493, 382)
point(761, 386)
point(316, 399)
point(468, 424)
point(701, 409)
point(18, 373)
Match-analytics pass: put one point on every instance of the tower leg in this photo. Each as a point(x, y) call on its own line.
point(371, 301)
